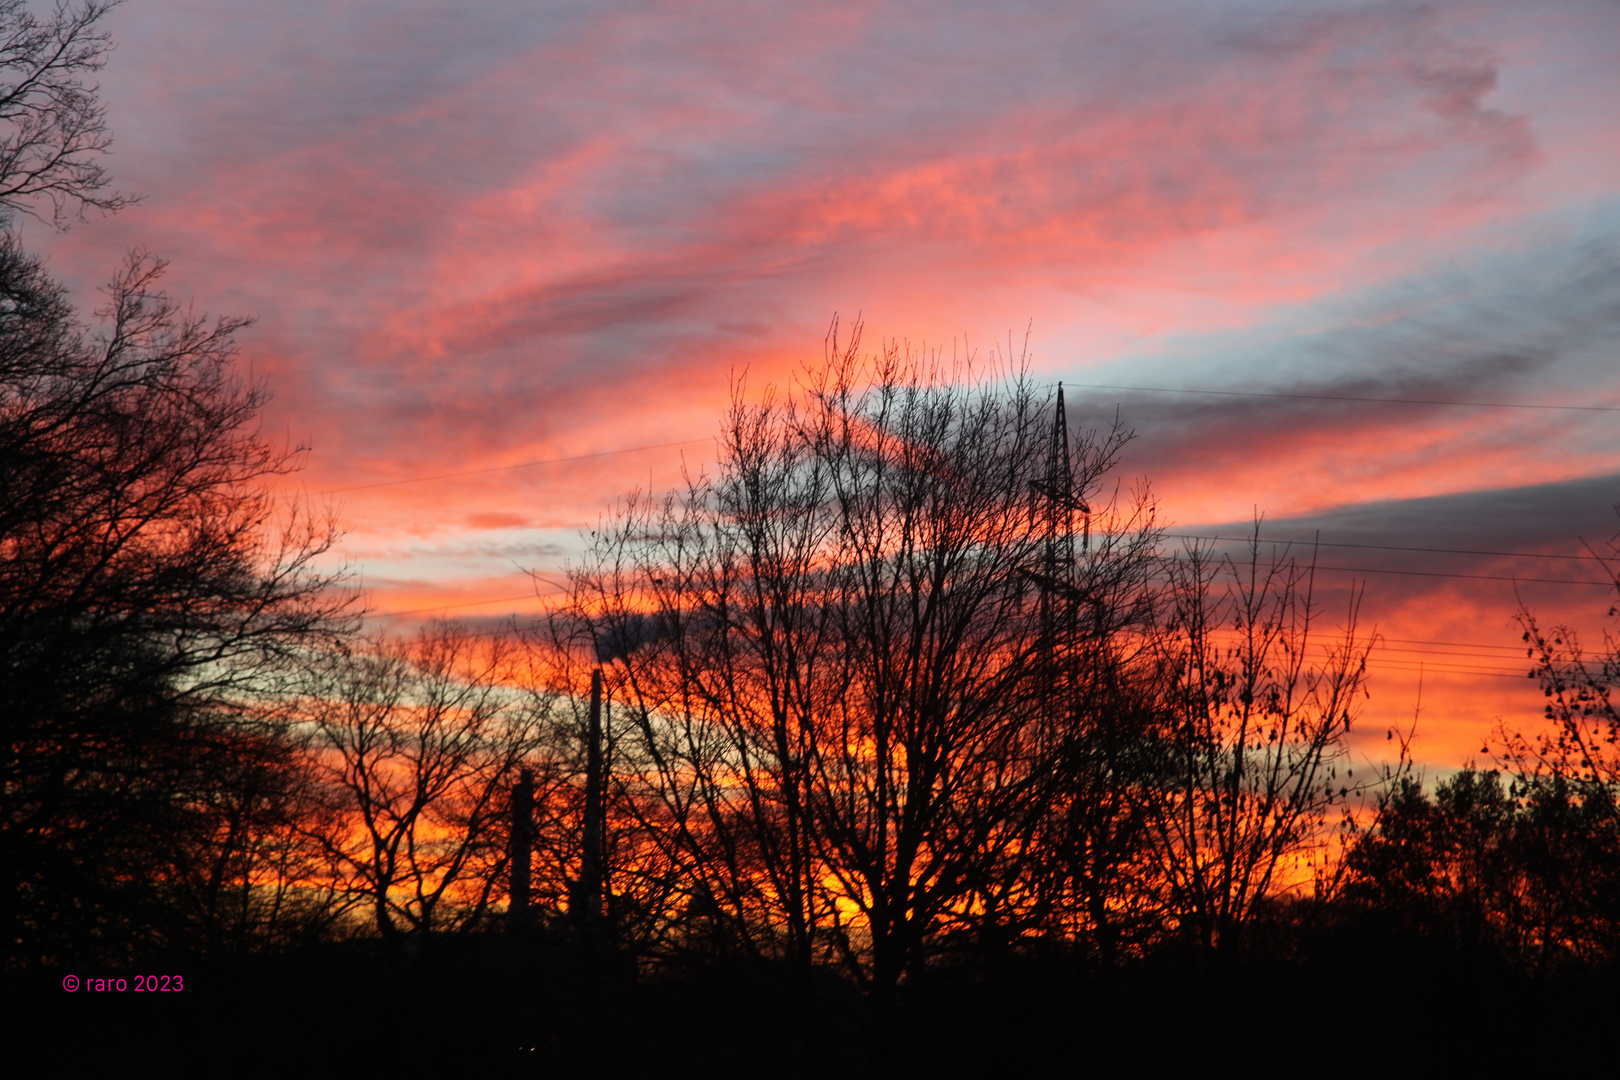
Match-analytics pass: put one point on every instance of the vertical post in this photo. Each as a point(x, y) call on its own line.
point(590, 874)
point(1057, 585)
point(522, 845)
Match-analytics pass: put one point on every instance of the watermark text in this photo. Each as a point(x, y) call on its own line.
point(124, 984)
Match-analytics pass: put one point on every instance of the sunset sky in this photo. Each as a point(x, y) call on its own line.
point(478, 236)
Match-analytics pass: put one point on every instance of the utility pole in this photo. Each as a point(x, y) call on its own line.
point(587, 899)
point(518, 917)
point(1060, 597)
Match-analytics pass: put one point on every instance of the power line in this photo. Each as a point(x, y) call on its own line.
point(1447, 665)
point(1441, 669)
point(1348, 397)
point(1442, 574)
point(1387, 547)
point(1420, 573)
point(1482, 656)
point(1229, 639)
point(1458, 644)
point(1384, 658)
point(1470, 577)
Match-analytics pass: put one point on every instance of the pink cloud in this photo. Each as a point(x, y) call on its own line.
point(480, 238)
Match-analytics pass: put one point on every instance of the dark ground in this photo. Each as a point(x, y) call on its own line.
point(1359, 1001)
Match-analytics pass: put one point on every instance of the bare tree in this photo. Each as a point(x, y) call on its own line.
point(418, 744)
point(154, 594)
point(53, 127)
point(155, 597)
point(249, 876)
point(839, 672)
point(1258, 708)
point(610, 861)
point(1565, 794)
point(1580, 742)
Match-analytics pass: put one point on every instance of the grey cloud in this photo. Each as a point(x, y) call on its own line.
point(1538, 327)
point(1404, 549)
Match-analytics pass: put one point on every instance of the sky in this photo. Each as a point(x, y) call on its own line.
point(480, 236)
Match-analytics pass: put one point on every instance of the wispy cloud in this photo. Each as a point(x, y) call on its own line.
point(481, 236)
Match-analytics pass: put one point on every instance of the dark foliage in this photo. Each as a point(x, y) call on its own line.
point(150, 602)
point(1523, 876)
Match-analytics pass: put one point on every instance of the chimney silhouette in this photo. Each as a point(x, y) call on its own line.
point(518, 915)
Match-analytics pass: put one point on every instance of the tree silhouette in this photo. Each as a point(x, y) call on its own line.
point(153, 594)
point(1258, 709)
point(1495, 875)
point(418, 744)
point(52, 126)
point(1581, 741)
point(839, 676)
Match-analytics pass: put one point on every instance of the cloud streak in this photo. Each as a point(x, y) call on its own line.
point(479, 237)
